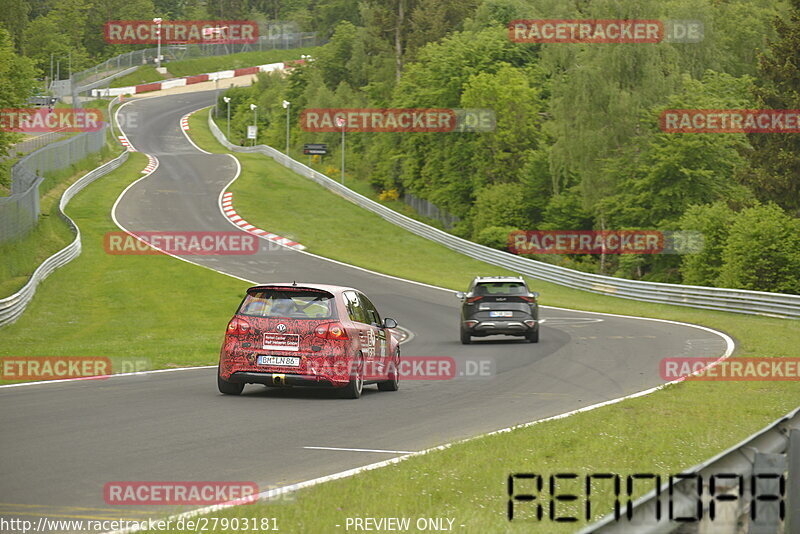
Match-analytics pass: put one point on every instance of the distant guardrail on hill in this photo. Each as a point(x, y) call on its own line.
point(103, 74)
point(711, 298)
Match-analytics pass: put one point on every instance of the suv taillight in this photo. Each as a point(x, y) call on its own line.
point(238, 327)
point(331, 331)
point(529, 299)
point(473, 299)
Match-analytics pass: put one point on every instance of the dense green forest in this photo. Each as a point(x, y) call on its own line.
point(577, 143)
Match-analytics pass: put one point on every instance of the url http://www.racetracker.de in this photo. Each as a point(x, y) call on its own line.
point(196, 524)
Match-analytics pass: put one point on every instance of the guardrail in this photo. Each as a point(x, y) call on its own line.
point(761, 460)
point(12, 307)
point(102, 74)
point(712, 298)
point(19, 212)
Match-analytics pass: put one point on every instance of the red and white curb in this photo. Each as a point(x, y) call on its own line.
point(189, 80)
point(230, 213)
point(126, 143)
point(185, 122)
point(151, 165)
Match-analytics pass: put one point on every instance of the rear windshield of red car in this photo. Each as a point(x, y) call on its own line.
point(289, 302)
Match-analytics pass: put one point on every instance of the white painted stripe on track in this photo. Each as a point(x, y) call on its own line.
point(357, 450)
point(106, 377)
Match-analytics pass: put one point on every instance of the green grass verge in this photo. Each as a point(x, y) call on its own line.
point(201, 65)
point(20, 257)
point(124, 306)
point(661, 433)
point(144, 74)
point(359, 185)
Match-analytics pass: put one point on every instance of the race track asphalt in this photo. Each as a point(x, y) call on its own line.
point(69, 439)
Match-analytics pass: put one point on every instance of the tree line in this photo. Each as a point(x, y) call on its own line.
point(577, 143)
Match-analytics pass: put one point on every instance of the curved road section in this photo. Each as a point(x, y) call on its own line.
point(69, 439)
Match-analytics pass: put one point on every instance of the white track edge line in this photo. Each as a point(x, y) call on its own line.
point(350, 449)
point(186, 135)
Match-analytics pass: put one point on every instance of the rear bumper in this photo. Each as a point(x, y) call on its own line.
point(281, 379)
point(495, 327)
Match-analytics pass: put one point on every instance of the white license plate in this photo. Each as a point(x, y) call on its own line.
point(274, 341)
point(285, 361)
point(500, 314)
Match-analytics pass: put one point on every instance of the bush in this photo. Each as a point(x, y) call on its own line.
point(500, 205)
point(495, 236)
point(391, 194)
point(565, 211)
point(713, 221)
point(762, 252)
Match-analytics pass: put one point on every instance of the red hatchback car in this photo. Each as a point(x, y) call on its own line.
point(308, 335)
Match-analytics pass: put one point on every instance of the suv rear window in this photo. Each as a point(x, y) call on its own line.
point(501, 288)
point(289, 302)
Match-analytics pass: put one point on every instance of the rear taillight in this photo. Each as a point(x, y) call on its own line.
point(473, 299)
point(529, 299)
point(331, 331)
point(238, 327)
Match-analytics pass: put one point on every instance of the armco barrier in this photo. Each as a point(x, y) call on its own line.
point(770, 453)
point(189, 80)
point(12, 307)
point(712, 298)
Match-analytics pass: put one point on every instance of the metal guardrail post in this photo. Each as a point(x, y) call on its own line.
point(793, 490)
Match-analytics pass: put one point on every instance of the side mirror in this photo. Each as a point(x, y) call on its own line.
point(460, 295)
point(388, 322)
point(536, 294)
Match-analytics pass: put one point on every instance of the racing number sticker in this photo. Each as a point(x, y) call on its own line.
point(371, 342)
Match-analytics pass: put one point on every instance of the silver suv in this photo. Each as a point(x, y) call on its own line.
point(499, 305)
